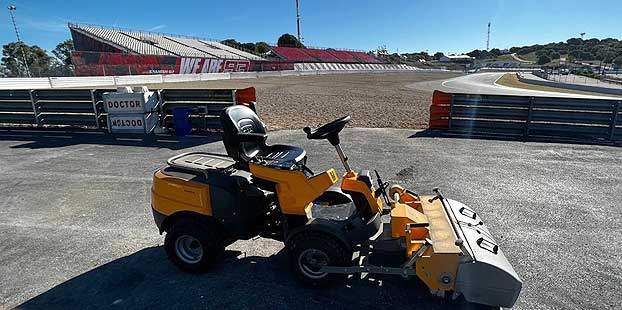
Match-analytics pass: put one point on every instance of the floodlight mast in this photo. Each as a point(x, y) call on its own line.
point(298, 19)
point(12, 8)
point(488, 39)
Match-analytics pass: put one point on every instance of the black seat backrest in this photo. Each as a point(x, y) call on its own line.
point(241, 119)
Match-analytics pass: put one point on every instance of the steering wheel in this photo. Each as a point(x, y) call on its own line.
point(328, 131)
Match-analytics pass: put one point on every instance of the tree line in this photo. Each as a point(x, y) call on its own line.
point(16, 55)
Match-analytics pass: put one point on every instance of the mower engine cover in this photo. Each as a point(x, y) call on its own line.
point(487, 278)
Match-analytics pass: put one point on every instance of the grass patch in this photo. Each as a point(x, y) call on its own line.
point(511, 80)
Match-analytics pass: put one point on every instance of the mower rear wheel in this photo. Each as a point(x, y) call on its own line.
point(193, 246)
point(310, 251)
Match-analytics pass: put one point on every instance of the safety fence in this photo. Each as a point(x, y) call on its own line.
point(352, 67)
point(84, 108)
point(122, 80)
point(527, 117)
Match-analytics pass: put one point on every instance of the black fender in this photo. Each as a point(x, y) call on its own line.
point(325, 226)
point(164, 222)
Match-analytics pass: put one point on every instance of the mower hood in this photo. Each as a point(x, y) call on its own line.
point(486, 277)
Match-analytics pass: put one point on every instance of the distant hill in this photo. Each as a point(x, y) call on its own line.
point(575, 49)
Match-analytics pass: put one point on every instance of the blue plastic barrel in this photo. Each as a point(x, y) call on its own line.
point(181, 121)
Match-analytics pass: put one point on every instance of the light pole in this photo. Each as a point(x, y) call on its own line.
point(298, 18)
point(19, 40)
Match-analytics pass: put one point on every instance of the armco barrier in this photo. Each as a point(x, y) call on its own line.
point(84, 108)
point(205, 103)
point(114, 81)
point(138, 79)
point(69, 82)
point(527, 117)
point(579, 87)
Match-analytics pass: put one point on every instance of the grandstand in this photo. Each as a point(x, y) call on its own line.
point(91, 38)
point(322, 55)
point(110, 51)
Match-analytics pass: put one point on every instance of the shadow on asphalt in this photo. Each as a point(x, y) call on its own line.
point(146, 279)
point(54, 138)
point(436, 133)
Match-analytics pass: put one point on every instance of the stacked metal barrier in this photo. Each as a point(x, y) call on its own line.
point(527, 117)
point(85, 108)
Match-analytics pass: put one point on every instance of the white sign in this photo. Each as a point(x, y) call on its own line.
point(117, 103)
point(132, 123)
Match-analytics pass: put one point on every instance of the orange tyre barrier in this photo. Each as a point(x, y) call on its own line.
point(440, 110)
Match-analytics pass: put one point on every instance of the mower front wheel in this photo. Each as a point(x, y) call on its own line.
point(310, 251)
point(193, 246)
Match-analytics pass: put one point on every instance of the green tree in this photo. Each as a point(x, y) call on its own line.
point(37, 59)
point(554, 55)
point(231, 42)
point(63, 51)
point(288, 40)
point(495, 52)
point(438, 55)
point(262, 47)
point(542, 60)
point(618, 61)
point(586, 56)
point(475, 53)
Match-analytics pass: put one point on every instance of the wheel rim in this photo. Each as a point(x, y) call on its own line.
point(188, 249)
point(310, 261)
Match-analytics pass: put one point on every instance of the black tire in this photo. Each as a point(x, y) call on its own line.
point(329, 251)
point(186, 238)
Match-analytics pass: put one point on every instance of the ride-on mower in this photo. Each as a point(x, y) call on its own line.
point(205, 202)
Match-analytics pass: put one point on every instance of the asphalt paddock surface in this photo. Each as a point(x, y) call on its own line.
point(76, 228)
point(373, 99)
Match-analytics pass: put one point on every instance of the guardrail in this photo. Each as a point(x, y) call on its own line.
point(572, 86)
point(524, 117)
point(84, 108)
point(114, 81)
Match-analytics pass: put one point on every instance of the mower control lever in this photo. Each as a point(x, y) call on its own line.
point(382, 189)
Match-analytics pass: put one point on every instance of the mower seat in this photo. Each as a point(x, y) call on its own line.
point(245, 137)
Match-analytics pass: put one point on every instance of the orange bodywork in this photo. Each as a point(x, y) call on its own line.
point(294, 189)
point(350, 183)
point(171, 194)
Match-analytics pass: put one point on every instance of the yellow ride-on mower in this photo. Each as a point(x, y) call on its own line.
point(330, 228)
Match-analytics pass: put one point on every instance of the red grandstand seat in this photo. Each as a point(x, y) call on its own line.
point(321, 54)
point(343, 56)
point(293, 54)
point(364, 57)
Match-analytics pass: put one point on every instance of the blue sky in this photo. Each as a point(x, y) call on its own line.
point(404, 26)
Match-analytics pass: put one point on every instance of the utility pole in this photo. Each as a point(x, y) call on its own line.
point(488, 39)
point(19, 40)
point(298, 18)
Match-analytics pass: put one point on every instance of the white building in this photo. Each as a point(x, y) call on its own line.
point(456, 58)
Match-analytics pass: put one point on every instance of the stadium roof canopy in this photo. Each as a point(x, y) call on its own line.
point(103, 39)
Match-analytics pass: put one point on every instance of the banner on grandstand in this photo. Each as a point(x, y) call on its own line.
point(105, 64)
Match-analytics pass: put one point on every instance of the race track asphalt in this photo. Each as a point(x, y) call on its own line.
point(485, 83)
point(76, 230)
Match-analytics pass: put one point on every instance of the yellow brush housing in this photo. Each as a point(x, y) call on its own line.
point(438, 264)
